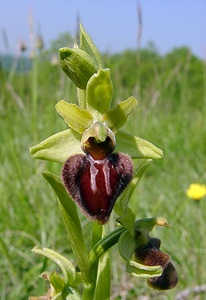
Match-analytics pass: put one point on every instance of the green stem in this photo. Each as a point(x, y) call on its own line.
point(88, 292)
point(81, 94)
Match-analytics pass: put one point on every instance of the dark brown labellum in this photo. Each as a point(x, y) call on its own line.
point(151, 255)
point(167, 280)
point(95, 184)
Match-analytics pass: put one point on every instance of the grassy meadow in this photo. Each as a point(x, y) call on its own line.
point(171, 113)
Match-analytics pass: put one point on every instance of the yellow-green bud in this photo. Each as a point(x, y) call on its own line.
point(78, 65)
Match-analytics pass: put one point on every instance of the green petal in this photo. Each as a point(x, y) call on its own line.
point(118, 116)
point(136, 147)
point(58, 147)
point(88, 46)
point(77, 118)
point(99, 91)
point(78, 65)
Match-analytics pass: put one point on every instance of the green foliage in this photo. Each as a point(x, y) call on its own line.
point(153, 77)
point(171, 114)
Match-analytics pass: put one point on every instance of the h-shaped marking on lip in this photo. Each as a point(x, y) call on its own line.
point(94, 171)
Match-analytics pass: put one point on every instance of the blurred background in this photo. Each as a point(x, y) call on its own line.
point(156, 51)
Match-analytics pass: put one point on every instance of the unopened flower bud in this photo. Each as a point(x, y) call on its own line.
point(78, 65)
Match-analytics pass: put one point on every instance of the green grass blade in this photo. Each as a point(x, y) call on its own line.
point(10, 267)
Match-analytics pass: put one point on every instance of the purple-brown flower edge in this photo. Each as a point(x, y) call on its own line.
point(95, 184)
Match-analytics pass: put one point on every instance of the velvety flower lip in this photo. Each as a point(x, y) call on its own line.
point(151, 255)
point(95, 184)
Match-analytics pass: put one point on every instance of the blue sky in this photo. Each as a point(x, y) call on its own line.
point(111, 23)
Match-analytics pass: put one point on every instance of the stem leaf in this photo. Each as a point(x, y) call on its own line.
point(72, 224)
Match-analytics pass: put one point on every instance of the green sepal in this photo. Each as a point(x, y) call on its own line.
point(143, 228)
point(136, 147)
point(78, 65)
point(118, 116)
point(148, 224)
point(138, 270)
point(58, 147)
point(77, 118)
point(72, 224)
point(64, 264)
point(87, 44)
point(126, 245)
point(99, 91)
point(127, 219)
point(130, 240)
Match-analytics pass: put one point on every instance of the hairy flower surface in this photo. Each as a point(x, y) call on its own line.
point(151, 255)
point(96, 184)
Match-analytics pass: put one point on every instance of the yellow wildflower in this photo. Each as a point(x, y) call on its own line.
point(196, 191)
